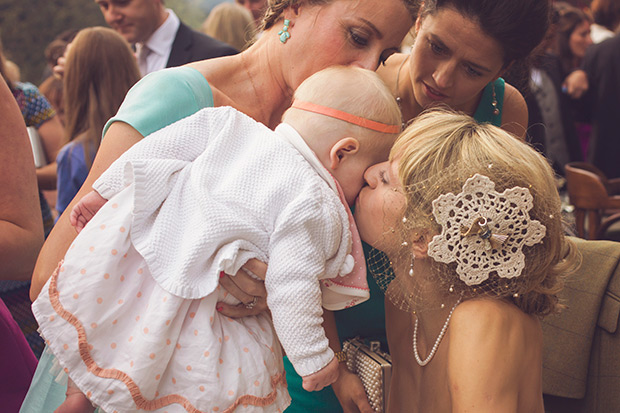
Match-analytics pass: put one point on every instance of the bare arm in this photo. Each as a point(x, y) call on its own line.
point(117, 140)
point(21, 228)
point(514, 113)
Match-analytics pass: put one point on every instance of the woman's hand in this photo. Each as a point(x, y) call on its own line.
point(250, 291)
point(350, 392)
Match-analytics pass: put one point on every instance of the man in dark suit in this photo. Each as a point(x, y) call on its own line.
point(602, 65)
point(160, 38)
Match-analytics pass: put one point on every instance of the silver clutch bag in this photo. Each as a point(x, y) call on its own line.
point(373, 367)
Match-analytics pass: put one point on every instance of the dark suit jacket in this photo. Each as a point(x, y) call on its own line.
point(602, 64)
point(191, 46)
point(581, 353)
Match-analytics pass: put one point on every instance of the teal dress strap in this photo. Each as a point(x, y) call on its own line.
point(162, 98)
point(484, 112)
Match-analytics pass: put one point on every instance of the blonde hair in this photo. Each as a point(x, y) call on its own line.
point(230, 23)
point(99, 70)
point(353, 90)
point(441, 143)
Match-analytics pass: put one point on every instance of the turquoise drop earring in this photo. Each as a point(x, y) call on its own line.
point(284, 34)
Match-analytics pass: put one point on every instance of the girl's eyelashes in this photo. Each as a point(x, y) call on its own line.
point(472, 72)
point(383, 177)
point(435, 48)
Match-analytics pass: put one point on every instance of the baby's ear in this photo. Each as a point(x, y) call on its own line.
point(344, 148)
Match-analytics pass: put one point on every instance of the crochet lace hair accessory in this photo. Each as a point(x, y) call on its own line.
point(484, 231)
point(481, 229)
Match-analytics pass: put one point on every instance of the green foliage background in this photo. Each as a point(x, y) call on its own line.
point(28, 26)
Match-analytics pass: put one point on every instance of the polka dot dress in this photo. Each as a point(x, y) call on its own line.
point(128, 344)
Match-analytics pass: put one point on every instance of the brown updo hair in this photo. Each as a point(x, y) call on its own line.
point(276, 7)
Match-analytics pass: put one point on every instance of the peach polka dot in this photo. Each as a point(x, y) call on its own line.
point(113, 345)
point(220, 339)
point(120, 301)
point(167, 322)
point(51, 318)
point(62, 269)
point(216, 409)
point(83, 271)
point(65, 346)
point(231, 393)
point(125, 256)
point(88, 394)
point(188, 368)
point(192, 315)
point(140, 270)
point(137, 318)
point(99, 300)
point(76, 295)
point(91, 249)
point(146, 330)
point(115, 205)
point(211, 320)
point(102, 226)
point(90, 347)
point(218, 375)
point(245, 349)
point(226, 338)
point(130, 338)
point(207, 354)
point(165, 299)
point(131, 363)
point(221, 361)
point(114, 252)
point(201, 388)
point(115, 321)
point(257, 383)
point(122, 229)
point(156, 394)
point(239, 370)
point(168, 342)
point(158, 377)
point(152, 356)
point(195, 332)
point(122, 278)
point(106, 276)
point(94, 325)
point(66, 370)
point(110, 391)
point(139, 294)
point(178, 346)
point(174, 381)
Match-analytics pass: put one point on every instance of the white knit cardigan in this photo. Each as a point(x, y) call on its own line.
point(218, 188)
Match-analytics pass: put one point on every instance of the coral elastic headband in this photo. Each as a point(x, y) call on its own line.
point(347, 117)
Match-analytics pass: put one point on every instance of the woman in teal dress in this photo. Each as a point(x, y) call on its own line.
point(258, 82)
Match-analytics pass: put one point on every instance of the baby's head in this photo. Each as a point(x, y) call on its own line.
point(349, 118)
point(481, 211)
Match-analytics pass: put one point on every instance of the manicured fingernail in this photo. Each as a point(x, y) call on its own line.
point(219, 308)
point(222, 274)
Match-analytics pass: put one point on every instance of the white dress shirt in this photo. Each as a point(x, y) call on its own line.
point(154, 53)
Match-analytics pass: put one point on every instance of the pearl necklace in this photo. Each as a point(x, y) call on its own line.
point(397, 94)
point(436, 345)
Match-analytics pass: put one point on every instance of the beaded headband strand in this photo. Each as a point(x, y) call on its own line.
point(347, 117)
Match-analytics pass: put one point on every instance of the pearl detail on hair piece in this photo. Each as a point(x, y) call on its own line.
point(424, 362)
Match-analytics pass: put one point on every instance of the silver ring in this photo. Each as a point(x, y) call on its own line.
point(252, 303)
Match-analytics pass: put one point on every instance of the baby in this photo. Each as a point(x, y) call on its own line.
point(131, 312)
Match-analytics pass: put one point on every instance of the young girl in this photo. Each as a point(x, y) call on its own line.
point(131, 313)
point(470, 220)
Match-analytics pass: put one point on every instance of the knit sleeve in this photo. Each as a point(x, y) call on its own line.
point(307, 234)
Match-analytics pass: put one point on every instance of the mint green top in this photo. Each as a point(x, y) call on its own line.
point(162, 98)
